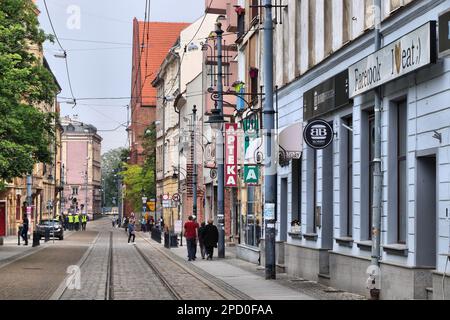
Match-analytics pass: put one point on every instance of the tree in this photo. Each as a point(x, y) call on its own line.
point(111, 165)
point(25, 131)
point(139, 181)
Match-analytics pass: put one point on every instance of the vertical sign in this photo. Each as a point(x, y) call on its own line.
point(231, 155)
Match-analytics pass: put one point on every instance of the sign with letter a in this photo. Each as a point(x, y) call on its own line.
point(231, 174)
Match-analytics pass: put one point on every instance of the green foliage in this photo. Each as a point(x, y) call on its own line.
point(111, 164)
point(139, 181)
point(25, 131)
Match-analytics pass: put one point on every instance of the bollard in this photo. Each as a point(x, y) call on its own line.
point(47, 235)
point(19, 235)
point(36, 239)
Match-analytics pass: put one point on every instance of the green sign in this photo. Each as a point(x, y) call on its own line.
point(251, 174)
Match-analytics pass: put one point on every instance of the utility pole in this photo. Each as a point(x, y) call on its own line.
point(270, 173)
point(61, 197)
point(377, 176)
point(219, 147)
point(194, 160)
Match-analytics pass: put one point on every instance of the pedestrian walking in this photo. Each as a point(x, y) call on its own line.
point(144, 224)
point(211, 237)
point(201, 241)
point(83, 222)
point(76, 222)
point(125, 224)
point(190, 232)
point(24, 234)
point(66, 222)
point(70, 221)
point(131, 230)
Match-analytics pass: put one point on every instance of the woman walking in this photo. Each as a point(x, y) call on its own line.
point(210, 238)
point(131, 230)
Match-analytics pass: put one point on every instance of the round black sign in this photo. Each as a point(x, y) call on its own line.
point(318, 134)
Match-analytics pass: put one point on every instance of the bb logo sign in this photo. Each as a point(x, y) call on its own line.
point(318, 134)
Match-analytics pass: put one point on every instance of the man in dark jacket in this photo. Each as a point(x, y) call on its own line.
point(201, 235)
point(210, 238)
point(25, 230)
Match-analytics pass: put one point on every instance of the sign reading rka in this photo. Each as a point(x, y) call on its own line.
point(411, 52)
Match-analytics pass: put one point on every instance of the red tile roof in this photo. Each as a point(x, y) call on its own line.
point(161, 37)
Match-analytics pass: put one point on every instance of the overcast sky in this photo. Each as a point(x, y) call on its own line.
point(103, 69)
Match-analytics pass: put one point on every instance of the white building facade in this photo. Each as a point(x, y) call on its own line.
point(329, 191)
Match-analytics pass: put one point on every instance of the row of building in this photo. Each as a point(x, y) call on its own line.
point(72, 179)
point(325, 66)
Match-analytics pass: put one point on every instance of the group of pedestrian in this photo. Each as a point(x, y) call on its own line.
point(207, 235)
point(75, 221)
point(147, 223)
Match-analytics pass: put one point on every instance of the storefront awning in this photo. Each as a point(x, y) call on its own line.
point(290, 140)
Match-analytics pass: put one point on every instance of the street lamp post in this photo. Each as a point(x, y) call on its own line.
point(194, 176)
point(216, 120)
point(270, 174)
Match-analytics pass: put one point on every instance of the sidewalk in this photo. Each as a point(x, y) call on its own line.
point(250, 279)
point(10, 251)
point(245, 281)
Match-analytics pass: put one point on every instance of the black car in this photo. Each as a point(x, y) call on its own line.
point(53, 226)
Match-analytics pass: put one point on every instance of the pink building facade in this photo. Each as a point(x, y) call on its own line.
point(81, 156)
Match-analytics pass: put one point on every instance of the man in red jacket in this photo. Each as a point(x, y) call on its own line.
point(190, 233)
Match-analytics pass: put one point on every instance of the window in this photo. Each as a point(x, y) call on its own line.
point(75, 191)
point(296, 192)
point(347, 178)
point(311, 33)
point(254, 9)
point(347, 21)
point(371, 167)
point(402, 187)
point(240, 25)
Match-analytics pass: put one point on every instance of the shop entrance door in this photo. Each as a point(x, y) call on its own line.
point(2, 219)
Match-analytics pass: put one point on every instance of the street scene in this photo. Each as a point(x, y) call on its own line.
point(214, 150)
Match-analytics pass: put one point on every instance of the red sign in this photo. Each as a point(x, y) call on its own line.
point(231, 161)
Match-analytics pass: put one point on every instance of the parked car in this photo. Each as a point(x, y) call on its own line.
point(53, 226)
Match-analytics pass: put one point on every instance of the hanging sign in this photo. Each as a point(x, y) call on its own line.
point(444, 34)
point(411, 52)
point(251, 175)
point(231, 161)
point(318, 134)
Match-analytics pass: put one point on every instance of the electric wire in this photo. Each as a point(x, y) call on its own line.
point(65, 53)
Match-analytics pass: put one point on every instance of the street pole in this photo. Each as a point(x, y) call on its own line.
point(270, 173)
point(194, 158)
point(377, 175)
point(219, 148)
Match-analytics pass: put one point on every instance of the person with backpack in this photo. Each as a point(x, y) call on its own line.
point(131, 230)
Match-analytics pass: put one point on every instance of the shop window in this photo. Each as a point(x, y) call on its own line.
point(371, 169)
point(252, 221)
point(347, 178)
point(402, 186)
point(311, 192)
point(296, 212)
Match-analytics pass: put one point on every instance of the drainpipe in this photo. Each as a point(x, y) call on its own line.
point(377, 175)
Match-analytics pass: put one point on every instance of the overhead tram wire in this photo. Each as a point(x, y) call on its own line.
point(65, 54)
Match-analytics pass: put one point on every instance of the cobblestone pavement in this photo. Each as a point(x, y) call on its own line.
point(189, 284)
point(38, 275)
point(310, 288)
